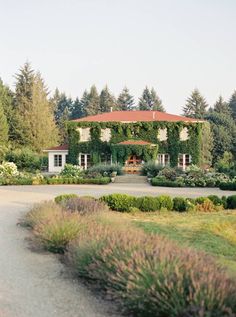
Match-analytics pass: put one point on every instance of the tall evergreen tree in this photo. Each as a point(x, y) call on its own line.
point(232, 104)
point(150, 101)
point(36, 126)
point(64, 106)
point(107, 101)
point(6, 102)
point(125, 101)
point(92, 106)
point(78, 109)
point(196, 105)
point(222, 106)
point(3, 126)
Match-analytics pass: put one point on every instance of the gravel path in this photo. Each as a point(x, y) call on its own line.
point(34, 284)
point(37, 285)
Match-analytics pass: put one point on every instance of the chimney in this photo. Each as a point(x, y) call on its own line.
point(111, 109)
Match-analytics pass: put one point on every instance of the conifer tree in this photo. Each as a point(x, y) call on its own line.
point(232, 104)
point(107, 101)
point(6, 102)
point(3, 126)
point(125, 101)
point(78, 111)
point(222, 106)
point(150, 101)
point(196, 106)
point(92, 106)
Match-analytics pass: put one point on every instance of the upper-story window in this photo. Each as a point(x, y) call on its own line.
point(105, 135)
point(184, 134)
point(84, 134)
point(162, 134)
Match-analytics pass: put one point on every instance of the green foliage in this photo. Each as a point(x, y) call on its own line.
point(217, 201)
point(70, 170)
point(206, 146)
point(180, 204)
point(92, 103)
point(222, 106)
point(166, 183)
point(107, 101)
point(148, 203)
point(231, 202)
point(3, 126)
point(150, 101)
point(232, 104)
point(230, 185)
point(119, 202)
point(151, 169)
point(125, 101)
point(64, 197)
point(165, 201)
point(26, 159)
point(196, 105)
point(8, 169)
point(226, 163)
point(106, 169)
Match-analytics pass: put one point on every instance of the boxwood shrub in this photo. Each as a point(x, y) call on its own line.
point(148, 203)
point(180, 204)
point(231, 202)
point(120, 202)
point(228, 185)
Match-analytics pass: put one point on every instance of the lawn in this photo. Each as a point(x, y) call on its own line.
point(214, 233)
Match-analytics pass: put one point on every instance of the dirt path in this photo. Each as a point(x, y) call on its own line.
point(34, 284)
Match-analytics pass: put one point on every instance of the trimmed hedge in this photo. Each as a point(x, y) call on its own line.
point(127, 203)
point(228, 185)
point(166, 183)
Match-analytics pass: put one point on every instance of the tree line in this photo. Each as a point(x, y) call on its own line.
point(31, 118)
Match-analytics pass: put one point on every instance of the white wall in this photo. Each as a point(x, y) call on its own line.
point(51, 167)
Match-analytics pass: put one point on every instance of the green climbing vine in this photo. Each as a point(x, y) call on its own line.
point(146, 131)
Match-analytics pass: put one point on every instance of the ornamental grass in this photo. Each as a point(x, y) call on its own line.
point(151, 276)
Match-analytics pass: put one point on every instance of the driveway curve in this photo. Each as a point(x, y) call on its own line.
point(37, 285)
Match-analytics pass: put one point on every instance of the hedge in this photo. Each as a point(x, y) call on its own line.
point(166, 183)
point(228, 185)
point(126, 203)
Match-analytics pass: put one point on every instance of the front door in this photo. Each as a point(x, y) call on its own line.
point(133, 164)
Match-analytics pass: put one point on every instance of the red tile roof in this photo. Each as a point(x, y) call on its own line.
point(135, 142)
point(63, 147)
point(134, 116)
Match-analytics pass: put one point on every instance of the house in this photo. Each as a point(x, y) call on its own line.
point(130, 138)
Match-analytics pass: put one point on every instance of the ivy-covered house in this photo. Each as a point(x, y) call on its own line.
point(130, 138)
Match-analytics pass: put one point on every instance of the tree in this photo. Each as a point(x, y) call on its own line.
point(150, 101)
point(35, 122)
point(223, 128)
point(3, 126)
point(196, 105)
point(222, 106)
point(232, 104)
point(107, 101)
point(78, 109)
point(92, 106)
point(125, 101)
point(6, 104)
point(63, 106)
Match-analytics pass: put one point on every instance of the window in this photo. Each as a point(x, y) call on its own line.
point(162, 135)
point(57, 160)
point(105, 158)
point(184, 134)
point(184, 160)
point(85, 160)
point(163, 159)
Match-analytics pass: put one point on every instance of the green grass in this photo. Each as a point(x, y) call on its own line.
point(214, 233)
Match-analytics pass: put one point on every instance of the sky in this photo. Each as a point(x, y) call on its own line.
point(171, 45)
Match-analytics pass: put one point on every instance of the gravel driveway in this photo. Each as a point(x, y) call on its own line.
point(37, 285)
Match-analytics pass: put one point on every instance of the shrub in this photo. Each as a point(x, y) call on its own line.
point(64, 197)
point(148, 203)
point(119, 202)
point(180, 204)
point(8, 169)
point(170, 173)
point(166, 202)
point(84, 205)
point(228, 185)
point(206, 206)
point(26, 159)
point(166, 183)
point(160, 279)
point(70, 170)
point(217, 201)
point(151, 169)
point(231, 202)
point(106, 169)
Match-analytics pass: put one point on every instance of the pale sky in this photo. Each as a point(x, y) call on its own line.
point(171, 45)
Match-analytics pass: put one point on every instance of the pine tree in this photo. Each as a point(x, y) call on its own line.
point(232, 104)
point(107, 101)
point(196, 106)
point(222, 106)
point(125, 101)
point(92, 106)
point(35, 122)
point(64, 106)
point(6, 102)
point(150, 101)
point(84, 101)
point(78, 110)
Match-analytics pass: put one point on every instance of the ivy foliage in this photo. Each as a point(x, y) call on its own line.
point(146, 131)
